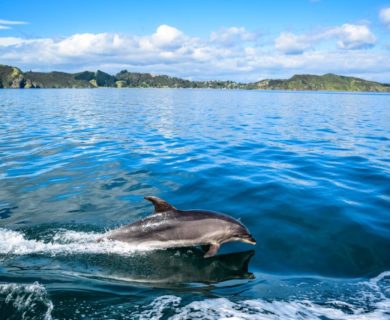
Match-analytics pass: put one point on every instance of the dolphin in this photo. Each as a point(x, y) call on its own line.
point(169, 227)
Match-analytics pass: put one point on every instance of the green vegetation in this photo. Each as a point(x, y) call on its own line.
point(96, 79)
point(11, 77)
point(327, 82)
point(147, 80)
point(54, 80)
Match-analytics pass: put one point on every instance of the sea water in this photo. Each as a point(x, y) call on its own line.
point(308, 173)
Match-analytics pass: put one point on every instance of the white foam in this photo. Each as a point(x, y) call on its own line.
point(64, 242)
point(222, 308)
point(374, 285)
point(156, 308)
point(376, 308)
point(27, 300)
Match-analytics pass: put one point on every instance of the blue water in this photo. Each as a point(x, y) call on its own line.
point(308, 173)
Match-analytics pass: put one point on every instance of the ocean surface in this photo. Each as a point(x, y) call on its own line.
point(308, 173)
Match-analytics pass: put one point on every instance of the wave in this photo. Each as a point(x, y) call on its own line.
point(368, 299)
point(371, 302)
point(364, 300)
point(25, 301)
point(260, 309)
point(64, 242)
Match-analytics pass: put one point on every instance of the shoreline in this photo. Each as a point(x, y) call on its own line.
point(209, 89)
point(13, 77)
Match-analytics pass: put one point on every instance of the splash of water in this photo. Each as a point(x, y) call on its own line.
point(372, 301)
point(64, 242)
point(25, 301)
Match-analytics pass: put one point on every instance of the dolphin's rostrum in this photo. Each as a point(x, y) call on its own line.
point(169, 227)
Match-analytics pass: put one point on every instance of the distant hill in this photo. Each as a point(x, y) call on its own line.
point(54, 80)
point(12, 77)
point(328, 82)
point(147, 80)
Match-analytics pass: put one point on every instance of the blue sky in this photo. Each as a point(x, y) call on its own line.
point(238, 40)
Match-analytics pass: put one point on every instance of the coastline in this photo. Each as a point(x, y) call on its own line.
point(298, 91)
point(14, 78)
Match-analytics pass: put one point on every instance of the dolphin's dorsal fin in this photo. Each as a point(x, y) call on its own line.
point(160, 205)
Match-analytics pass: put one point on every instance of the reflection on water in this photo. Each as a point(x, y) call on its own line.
point(176, 267)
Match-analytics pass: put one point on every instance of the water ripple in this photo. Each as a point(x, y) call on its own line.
point(307, 172)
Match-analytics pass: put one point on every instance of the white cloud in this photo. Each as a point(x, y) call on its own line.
point(170, 51)
point(290, 43)
point(163, 46)
point(11, 22)
point(6, 24)
point(232, 36)
point(347, 36)
point(10, 41)
point(354, 36)
point(166, 36)
point(90, 44)
point(384, 16)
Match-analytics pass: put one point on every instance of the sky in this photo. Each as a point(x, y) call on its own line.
point(246, 40)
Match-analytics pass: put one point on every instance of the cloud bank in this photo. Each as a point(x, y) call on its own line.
point(230, 53)
point(347, 36)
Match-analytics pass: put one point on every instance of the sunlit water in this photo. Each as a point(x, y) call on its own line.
point(308, 173)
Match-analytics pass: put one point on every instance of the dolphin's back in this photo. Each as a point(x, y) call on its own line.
point(169, 226)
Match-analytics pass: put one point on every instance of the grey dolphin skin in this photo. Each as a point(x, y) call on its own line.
point(169, 227)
